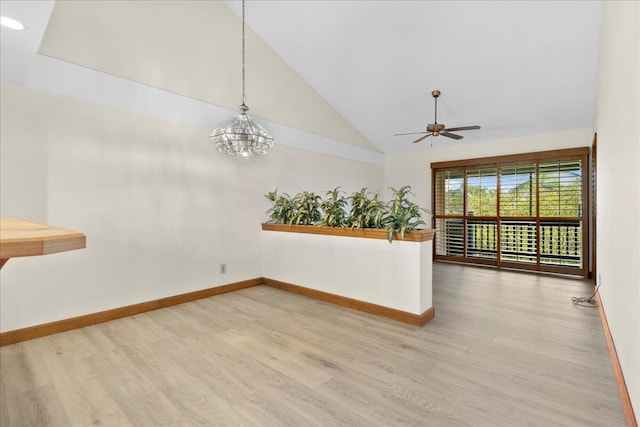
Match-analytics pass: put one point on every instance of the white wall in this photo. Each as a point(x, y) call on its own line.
point(414, 168)
point(400, 277)
point(23, 166)
point(618, 216)
point(160, 207)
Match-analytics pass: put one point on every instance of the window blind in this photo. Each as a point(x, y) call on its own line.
point(523, 211)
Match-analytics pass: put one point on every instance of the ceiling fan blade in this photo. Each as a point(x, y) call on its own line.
point(451, 135)
point(463, 128)
point(421, 138)
point(411, 133)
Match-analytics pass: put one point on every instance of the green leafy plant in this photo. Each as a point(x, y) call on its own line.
point(366, 211)
point(402, 215)
point(282, 210)
point(306, 208)
point(334, 212)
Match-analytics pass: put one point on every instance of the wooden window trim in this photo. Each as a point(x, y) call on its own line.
point(581, 153)
point(513, 158)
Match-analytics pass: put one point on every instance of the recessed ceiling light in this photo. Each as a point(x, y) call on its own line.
point(5, 21)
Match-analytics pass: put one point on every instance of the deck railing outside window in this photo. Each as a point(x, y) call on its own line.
point(515, 211)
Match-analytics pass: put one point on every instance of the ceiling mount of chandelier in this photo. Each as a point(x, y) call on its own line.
point(243, 137)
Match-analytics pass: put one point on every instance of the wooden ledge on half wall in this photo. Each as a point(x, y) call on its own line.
point(421, 235)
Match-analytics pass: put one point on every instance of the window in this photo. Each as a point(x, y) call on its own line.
point(522, 211)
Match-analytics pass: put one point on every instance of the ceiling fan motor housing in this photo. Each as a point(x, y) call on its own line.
point(435, 128)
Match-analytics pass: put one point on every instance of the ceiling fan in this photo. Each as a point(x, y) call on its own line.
point(435, 129)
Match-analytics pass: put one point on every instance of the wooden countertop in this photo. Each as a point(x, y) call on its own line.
point(19, 237)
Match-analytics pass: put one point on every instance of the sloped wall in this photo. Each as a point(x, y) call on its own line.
point(191, 48)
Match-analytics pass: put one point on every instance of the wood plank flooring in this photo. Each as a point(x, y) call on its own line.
point(505, 349)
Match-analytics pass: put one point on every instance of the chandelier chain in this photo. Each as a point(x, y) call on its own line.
point(243, 60)
point(243, 137)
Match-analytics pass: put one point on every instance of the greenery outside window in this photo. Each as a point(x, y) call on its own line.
point(521, 211)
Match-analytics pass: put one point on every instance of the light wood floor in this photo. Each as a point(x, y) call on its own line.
point(504, 349)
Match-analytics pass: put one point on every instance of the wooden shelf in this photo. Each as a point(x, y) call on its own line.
point(19, 238)
point(367, 233)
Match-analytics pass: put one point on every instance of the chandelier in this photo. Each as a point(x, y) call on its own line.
point(243, 137)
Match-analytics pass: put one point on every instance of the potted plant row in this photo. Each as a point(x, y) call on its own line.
point(361, 209)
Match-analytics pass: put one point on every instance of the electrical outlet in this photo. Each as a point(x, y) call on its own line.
point(223, 268)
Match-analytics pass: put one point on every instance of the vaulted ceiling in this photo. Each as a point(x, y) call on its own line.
point(513, 67)
point(355, 72)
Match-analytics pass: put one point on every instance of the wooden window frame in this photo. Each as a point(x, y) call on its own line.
point(581, 153)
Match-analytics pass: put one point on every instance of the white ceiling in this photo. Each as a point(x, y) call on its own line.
point(515, 68)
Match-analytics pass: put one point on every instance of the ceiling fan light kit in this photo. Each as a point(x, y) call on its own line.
point(437, 129)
